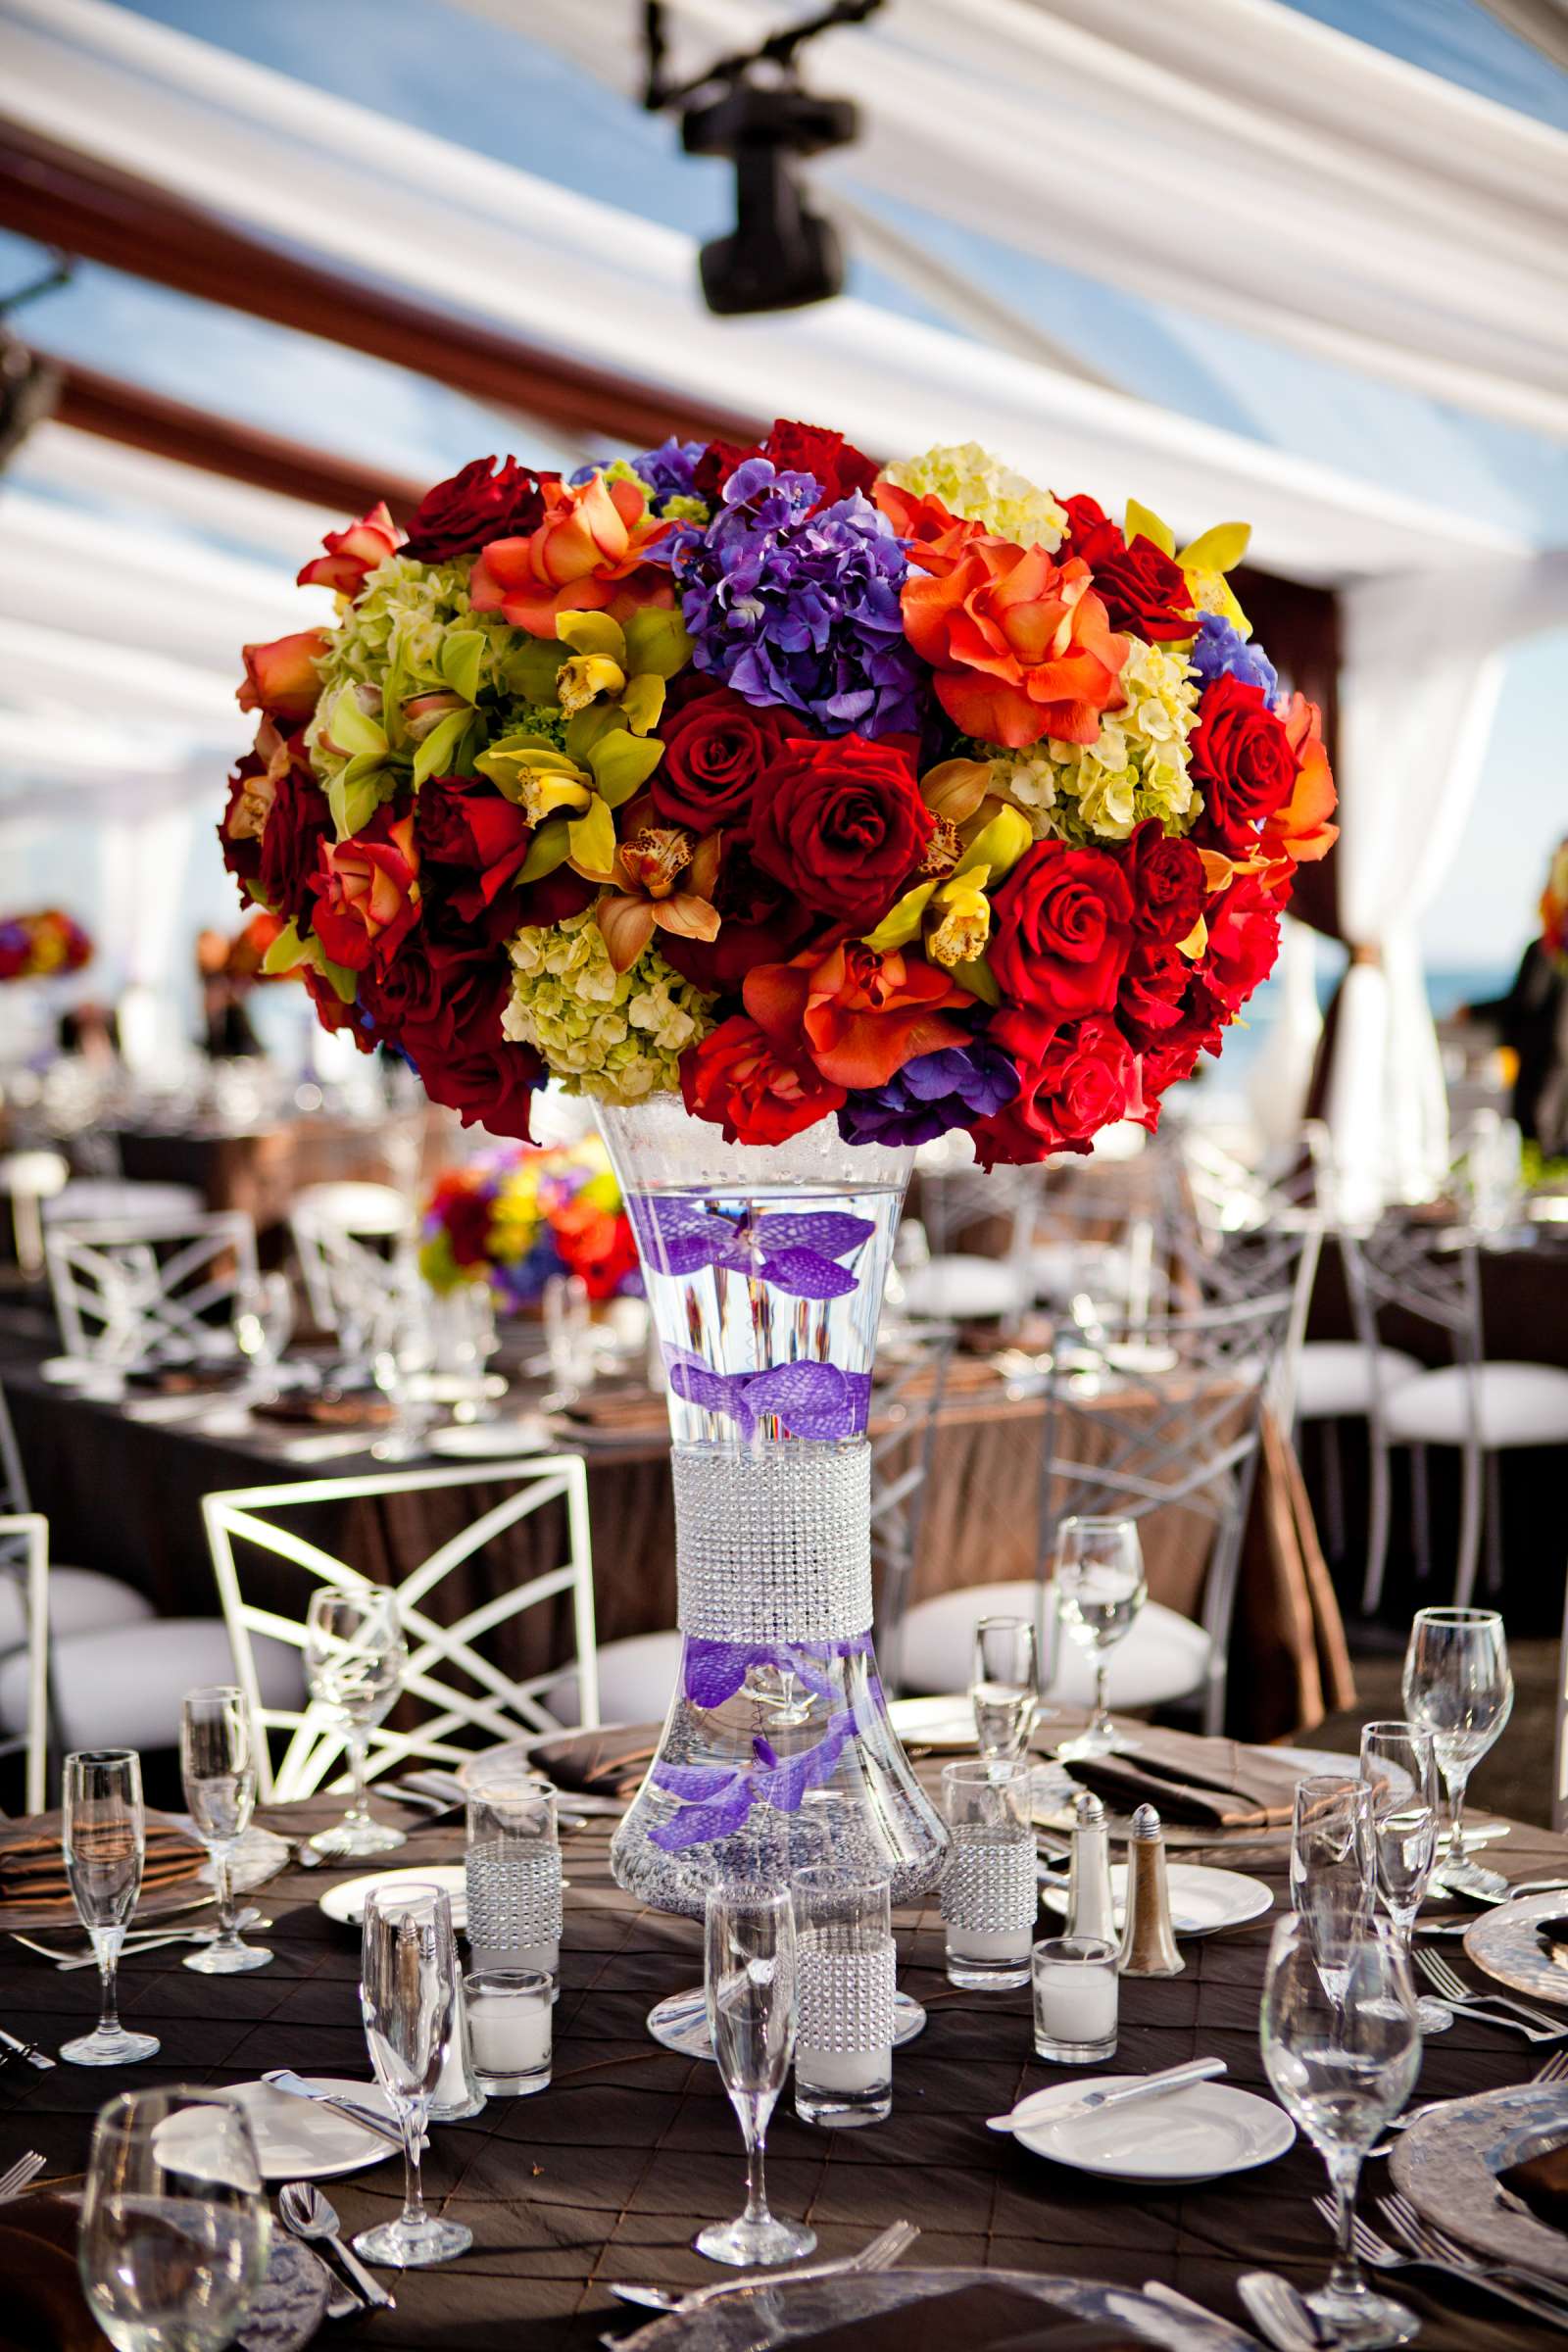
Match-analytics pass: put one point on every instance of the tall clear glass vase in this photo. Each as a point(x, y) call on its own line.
point(765, 1268)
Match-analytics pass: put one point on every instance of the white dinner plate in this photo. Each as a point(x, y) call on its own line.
point(345, 1902)
point(492, 1440)
point(1202, 1901)
point(1200, 2134)
point(941, 1722)
point(298, 2139)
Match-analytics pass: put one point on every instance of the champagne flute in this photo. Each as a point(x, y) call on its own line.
point(354, 1660)
point(218, 1765)
point(174, 2223)
point(409, 1999)
point(104, 1834)
point(1397, 1766)
point(1458, 1687)
point(1333, 1882)
point(1342, 2064)
point(1006, 1690)
point(749, 1951)
point(1099, 1590)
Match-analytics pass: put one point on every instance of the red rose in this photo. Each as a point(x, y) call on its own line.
point(843, 825)
point(352, 554)
point(430, 995)
point(1242, 760)
point(1149, 1003)
point(367, 890)
point(757, 1092)
point(1244, 940)
point(245, 813)
point(482, 1074)
point(1167, 884)
point(715, 747)
point(793, 448)
point(458, 517)
point(331, 1011)
point(1061, 929)
point(1072, 1083)
point(1142, 588)
point(464, 822)
point(276, 821)
point(762, 922)
point(465, 1216)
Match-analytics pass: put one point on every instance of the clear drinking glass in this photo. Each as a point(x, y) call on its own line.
point(354, 1660)
point(568, 1337)
point(1340, 2066)
point(402, 1357)
point(1398, 1767)
point(263, 1320)
point(1333, 1871)
point(748, 1975)
point(846, 1973)
point(512, 1869)
point(218, 1764)
point(104, 1834)
point(510, 2029)
point(1006, 1690)
point(1099, 1589)
point(1458, 1686)
point(409, 1995)
point(990, 1890)
point(1076, 1986)
point(174, 2223)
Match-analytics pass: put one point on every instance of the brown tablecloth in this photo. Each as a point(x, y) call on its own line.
point(608, 2174)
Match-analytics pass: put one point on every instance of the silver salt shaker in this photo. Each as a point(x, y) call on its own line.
point(1089, 1899)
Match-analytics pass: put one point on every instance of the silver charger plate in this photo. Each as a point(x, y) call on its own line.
point(291, 2301)
point(1447, 2166)
point(757, 2317)
point(1502, 1942)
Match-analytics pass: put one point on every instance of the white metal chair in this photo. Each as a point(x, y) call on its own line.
point(25, 1577)
point(32, 1179)
point(83, 1600)
point(348, 1280)
point(957, 1203)
point(134, 1292)
point(462, 1690)
point(102, 1199)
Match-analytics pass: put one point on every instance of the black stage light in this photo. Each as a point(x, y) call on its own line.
point(781, 253)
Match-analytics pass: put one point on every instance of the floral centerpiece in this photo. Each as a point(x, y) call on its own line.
point(518, 1217)
point(798, 810)
point(38, 946)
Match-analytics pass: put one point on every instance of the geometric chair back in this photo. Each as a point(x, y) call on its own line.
point(354, 1245)
point(452, 1687)
point(134, 1292)
point(25, 1559)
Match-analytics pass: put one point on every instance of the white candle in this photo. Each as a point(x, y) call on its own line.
point(1001, 1944)
point(1076, 2004)
point(511, 2033)
point(844, 2069)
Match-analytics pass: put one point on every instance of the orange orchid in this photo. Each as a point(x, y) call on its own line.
point(583, 557)
point(662, 879)
point(1298, 833)
point(352, 554)
point(863, 1015)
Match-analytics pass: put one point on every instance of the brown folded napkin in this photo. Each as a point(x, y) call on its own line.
point(45, 2309)
point(1541, 2181)
point(620, 1408)
point(1212, 1782)
point(609, 1762)
point(971, 2319)
point(32, 1867)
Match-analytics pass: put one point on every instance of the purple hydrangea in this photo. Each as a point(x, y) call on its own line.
point(801, 609)
point(668, 470)
point(932, 1093)
point(1220, 651)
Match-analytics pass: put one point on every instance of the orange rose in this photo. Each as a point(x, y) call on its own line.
point(1022, 647)
point(353, 553)
point(281, 678)
point(1298, 832)
point(580, 559)
point(862, 1015)
point(368, 892)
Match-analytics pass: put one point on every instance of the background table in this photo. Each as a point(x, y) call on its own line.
point(608, 2174)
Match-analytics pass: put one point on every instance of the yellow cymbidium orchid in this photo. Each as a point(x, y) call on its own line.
point(624, 669)
point(1204, 559)
point(569, 797)
point(952, 910)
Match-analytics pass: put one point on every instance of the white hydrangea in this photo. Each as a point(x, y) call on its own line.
point(978, 487)
point(616, 1034)
point(1135, 768)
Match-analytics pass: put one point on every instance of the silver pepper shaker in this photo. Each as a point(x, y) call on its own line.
point(1147, 1940)
point(1089, 1901)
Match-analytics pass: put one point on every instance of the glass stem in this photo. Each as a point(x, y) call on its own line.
point(359, 1802)
point(1102, 1700)
point(1345, 2172)
point(1458, 1780)
point(223, 1894)
point(414, 2213)
point(108, 1944)
point(755, 2174)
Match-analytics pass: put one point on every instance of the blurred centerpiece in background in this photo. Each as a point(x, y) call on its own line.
point(518, 1218)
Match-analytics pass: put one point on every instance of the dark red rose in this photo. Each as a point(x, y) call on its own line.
point(461, 515)
point(1062, 931)
point(841, 824)
point(1244, 940)
point(1144, 590)
point(754, 1090)
point(1072, 1083)
point(1149, 1005)
point(465, 1219)
point(1167, 884)
point(1242, 760)
point(333, 1014)
point(762, 922)
point(793, 448)
point(242, 849)
point(482, 1075)
point(715, 747)
point(431, 994)
point(300, 821)
point(715, 467)
point(1090, 533)
point(552, 897)
point(464, 822)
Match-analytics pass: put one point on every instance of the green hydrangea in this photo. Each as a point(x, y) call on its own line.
point(979, 488)
point(403, 613)
point(1135, 768)
point(616, 1035)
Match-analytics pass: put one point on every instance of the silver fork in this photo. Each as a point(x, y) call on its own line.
point(880, 2254)
point(1449, 1987)
point(21, 2174)
point(1379, 2255)
point(1550, 2070)
point(1424, 2236)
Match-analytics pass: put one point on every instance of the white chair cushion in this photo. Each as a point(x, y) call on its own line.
point(81, 1601)
point(636, 1680)
point(1334, 1378)
point(1521, 1405)
point(1164, 1657)
point(964, 1289)
point(87, 1199)
point(1060, 1270)
point(122, 1687)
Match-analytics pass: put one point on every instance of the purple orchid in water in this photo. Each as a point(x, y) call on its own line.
point(793, 1253)
point(807, 1399)
point(716, 1798)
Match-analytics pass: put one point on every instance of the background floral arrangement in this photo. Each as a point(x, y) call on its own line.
point(516, 1218)
point(1554, 907)
point(914, 798)
point(35, 947)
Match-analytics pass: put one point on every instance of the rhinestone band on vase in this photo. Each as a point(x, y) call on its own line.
point(513, 1903)
point(988, 1886)
point(773, 1545)
point(845, 1993)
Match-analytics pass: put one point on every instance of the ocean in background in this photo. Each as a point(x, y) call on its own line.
point(1449, 985)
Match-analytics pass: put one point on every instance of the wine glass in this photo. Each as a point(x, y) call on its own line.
point(1397, 1766)
point(354, 1660)
point(174, 2224)
point(218, 1765)
point(264, 1321)
point(749, 1954)
point(104, 1834)
point(1342, 2062)
point(1099, 1590)
point(1006, 1690)
point(408, 1997)
point(402, 1357)
point(568, 1337)
point(1458, 1687)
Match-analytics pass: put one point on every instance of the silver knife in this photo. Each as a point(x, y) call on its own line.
point(284, 2078)
point(25, 2049)
point(1093, 2102)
